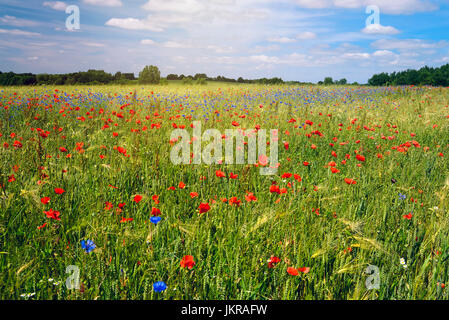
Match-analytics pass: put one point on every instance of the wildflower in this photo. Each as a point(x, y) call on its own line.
point(159, 286)
point(350, 181)
point(59, 191)
point(220, 174)
point(53, 214)
point(155, 220)
point(187, 262)
point(408, 216)
point(137, 198)
point(88, 245)
point(193, 195)
point(27, 295)
point(402, 196)
point(155, 212)
point(204, 207)
point(273, 261)
point(292, 271)
point(402, 261)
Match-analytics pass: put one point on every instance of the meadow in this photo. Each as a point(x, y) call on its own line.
point(86, 181)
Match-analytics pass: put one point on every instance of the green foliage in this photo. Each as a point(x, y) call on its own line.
point(187, 80)
point(328, 81)
point(424, 76)
point(201, 81)
point(150, 75)
point(356, 226)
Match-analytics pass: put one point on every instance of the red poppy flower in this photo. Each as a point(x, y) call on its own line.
point(204, 207)
point(233, 176)
point(137, 198)
point(275, 189)
point(53, 214)
point(181, 185)
point(272, 262)
point(292, 271)
point(408, 216)
point(59, 191)
point(187, 262)
point(155, 212)
point(304, 270)
point(360, 157)
point(220, 174)
point(45, 200)
point(350, 181)
point(193, 195)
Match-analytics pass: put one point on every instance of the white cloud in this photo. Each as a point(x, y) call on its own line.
point(104, 3)
point(93, 44)
point(181, 6)
point(17, 32)
point(314, 4)
point(383, 53)
point(356, 55)
point(379, 29)
point(281, 40)
point(16, 22)
point(56, 5)
point(306, 35)
point(385, 6)
point(147, 42)
point(174, 44)
point(407, 44)
point(133, 24)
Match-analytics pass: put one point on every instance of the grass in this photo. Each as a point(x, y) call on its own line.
point(358, 225)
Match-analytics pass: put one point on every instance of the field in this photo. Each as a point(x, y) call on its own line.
point(362, 183)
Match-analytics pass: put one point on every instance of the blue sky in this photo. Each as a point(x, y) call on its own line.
point(303, 40)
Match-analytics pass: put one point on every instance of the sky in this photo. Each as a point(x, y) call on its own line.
point(302, 40)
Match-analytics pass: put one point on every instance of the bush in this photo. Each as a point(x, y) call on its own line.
point(150, 74)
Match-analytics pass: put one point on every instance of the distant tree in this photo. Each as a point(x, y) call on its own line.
point(118, 76)
point(200, 76)
point(328, 81)
point(150, 74)
point(172, 77)
point(201, 81)
point(342, 81)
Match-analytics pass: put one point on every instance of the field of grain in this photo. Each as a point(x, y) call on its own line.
point(87, 187)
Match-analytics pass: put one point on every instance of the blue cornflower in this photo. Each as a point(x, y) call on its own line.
point(88, 245)
point(402, 196)
point(155, 220)
point(159, 286)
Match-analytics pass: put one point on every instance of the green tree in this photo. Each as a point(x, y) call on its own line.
point(150, 74)
point(328, 81)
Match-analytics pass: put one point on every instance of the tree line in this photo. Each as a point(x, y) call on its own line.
point(149, 75)
point(425, 76)
point(88, 77)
